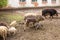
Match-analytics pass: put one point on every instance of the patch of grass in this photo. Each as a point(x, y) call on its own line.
point(10, 17)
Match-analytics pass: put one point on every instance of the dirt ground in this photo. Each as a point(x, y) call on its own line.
point(49, 31)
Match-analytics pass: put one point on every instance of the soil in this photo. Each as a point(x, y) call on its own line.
point(49, 31)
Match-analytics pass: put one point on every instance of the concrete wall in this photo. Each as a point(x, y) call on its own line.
point(15, 3)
